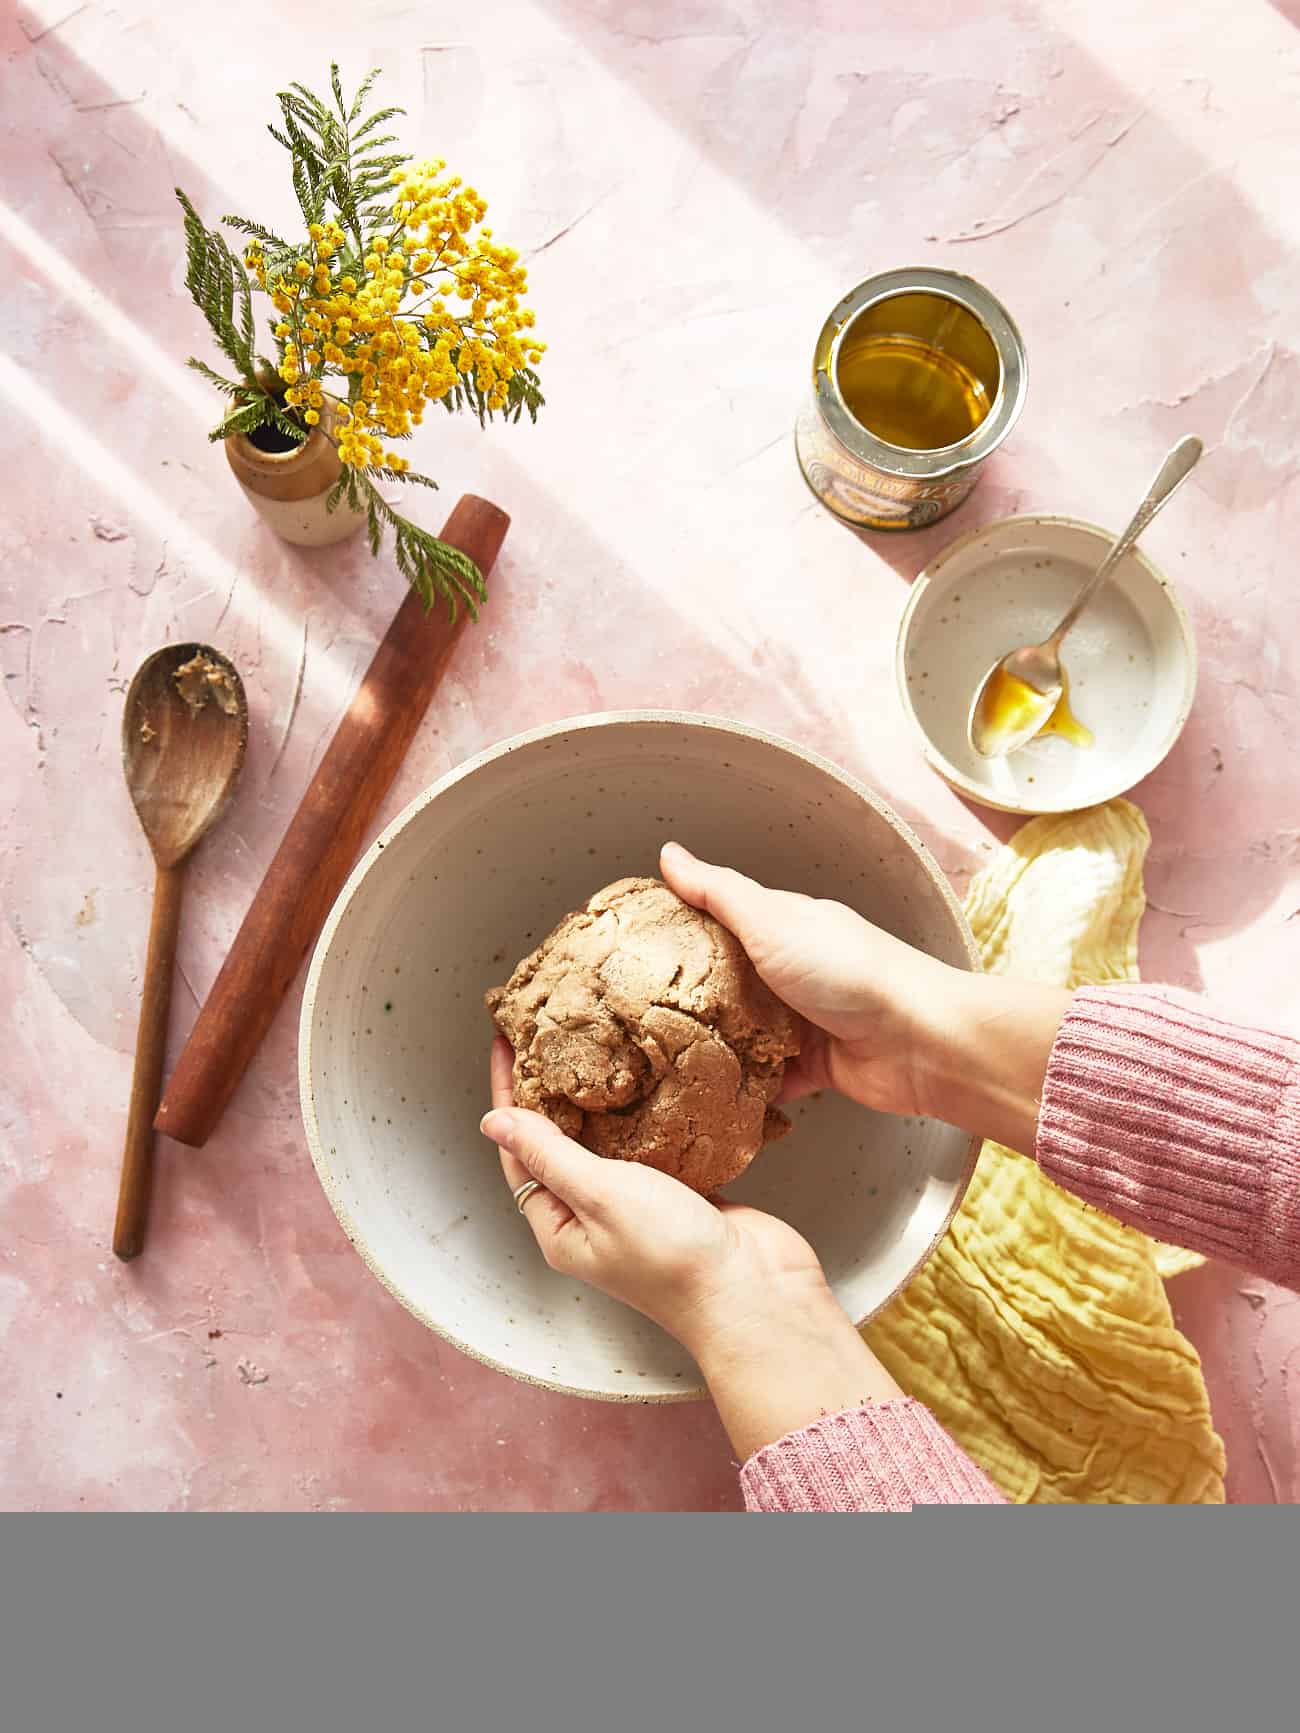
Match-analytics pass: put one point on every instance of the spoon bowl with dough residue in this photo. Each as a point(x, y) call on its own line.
point(184, 731)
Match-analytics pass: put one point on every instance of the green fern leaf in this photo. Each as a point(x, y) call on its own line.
point(378, 118)
point(359, 100)
point(256, 232)
point(245, 418)
point(229, 386)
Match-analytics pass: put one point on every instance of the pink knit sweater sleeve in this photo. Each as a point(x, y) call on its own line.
point(1180, 1123)
point(884, 1456)
point(1157, 1111)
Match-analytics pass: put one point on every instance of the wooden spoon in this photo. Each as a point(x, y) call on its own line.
point(184, 731)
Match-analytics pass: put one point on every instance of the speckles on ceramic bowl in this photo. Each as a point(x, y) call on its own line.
point(394, 1041)
point(1131, 660)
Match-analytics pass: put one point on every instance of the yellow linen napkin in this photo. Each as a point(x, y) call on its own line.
point(1040, 1333)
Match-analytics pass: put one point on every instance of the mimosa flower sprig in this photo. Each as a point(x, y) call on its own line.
point(396, 298)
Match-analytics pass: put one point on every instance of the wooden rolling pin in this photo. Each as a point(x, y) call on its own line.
point(321, 843)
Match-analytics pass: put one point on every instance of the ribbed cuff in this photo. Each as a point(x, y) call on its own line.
point(884, 1456)
point(1179, 1123)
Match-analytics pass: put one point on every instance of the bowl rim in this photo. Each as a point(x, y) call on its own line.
point(943, 766)
point(567, 725)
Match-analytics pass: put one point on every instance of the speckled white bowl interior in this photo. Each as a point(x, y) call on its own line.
point(394, 1039)
point(1131, 661)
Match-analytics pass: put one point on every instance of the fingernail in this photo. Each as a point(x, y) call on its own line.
point(498, 1125)
point(676, 849)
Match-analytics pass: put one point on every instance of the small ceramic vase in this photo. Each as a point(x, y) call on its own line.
point(289, 489)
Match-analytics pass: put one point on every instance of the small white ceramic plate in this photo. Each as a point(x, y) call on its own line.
point(1131, 661)
point(395, 1039)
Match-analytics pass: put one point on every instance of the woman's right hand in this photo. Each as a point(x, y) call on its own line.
point(886, 1024)
point(874, 1007)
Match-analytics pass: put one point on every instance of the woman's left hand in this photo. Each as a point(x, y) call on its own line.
point(741, 1291)
point(699, 1269)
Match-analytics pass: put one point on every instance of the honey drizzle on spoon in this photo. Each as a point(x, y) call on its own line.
point(1011, 705)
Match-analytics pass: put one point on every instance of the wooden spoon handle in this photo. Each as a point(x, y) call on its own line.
point(150, 1052)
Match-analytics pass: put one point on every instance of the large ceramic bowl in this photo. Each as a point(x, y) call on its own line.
point(394, 1043)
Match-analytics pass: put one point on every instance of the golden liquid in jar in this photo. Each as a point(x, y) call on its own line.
point(909, 393)
point(1011, 705)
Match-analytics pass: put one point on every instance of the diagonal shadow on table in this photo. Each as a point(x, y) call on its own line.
point(111, 183)
point(299, 1244)
point(806, 128)
point(222, 1196)
point(131, 171)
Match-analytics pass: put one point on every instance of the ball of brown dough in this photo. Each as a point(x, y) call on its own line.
point(641, 1028)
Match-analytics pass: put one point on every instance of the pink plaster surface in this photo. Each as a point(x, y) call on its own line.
point(695, 185)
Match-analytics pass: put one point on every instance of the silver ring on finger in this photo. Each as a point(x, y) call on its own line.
point(522, 1193)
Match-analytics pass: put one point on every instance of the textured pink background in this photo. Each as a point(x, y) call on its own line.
point(695, 184)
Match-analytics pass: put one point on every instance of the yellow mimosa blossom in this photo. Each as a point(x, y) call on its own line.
point(391, 297)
